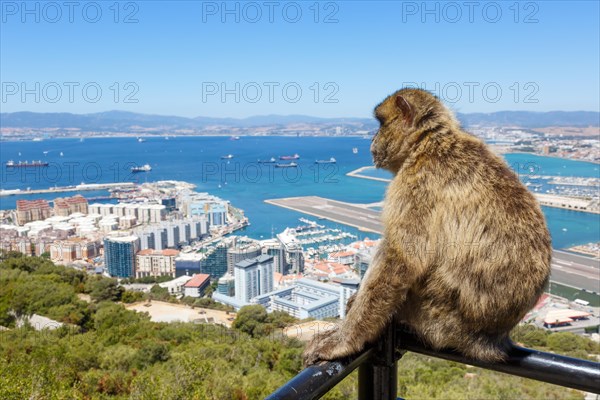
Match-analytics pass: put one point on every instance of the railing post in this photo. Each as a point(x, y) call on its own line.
point(378, 377)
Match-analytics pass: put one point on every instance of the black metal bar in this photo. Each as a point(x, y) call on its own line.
point(316, 380)
point(546, 367)
point(378, 377)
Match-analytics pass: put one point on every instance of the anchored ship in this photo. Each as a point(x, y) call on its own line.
point(227, 157)
point(272, 160)
point(143, 168)
point(294, 157)
point(330, 161)
point(290, 165)
point(25, 164)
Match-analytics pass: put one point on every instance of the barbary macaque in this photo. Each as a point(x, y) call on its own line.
point(465, 252)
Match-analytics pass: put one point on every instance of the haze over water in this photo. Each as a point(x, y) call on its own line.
point(247, 183)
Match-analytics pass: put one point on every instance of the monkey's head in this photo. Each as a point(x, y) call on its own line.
point(406, 117)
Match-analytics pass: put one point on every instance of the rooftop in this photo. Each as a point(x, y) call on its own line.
point(197, 281)
point(252, 261)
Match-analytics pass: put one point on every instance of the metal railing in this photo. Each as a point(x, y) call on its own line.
point(378, 369)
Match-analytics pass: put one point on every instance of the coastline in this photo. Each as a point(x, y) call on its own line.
point(555, 157)
point(548, 200)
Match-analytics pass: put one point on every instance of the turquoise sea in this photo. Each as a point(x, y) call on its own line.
point(245, 182)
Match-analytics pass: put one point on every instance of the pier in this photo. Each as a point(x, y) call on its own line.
point(568, 269)
point(75, 188)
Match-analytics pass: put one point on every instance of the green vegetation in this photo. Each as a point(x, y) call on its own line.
point(107, 351)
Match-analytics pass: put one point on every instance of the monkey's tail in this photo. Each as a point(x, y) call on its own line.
point(488, 349)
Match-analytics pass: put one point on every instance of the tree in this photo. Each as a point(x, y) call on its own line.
point(251, 320)
point(130, 296)
point(103, 289)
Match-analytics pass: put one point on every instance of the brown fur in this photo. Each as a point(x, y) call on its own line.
point(465, 251)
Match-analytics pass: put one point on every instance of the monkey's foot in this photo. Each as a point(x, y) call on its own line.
point(328, 346)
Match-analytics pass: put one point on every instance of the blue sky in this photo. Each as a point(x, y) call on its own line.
point(179, 56)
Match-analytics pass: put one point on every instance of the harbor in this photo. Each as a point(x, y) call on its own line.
point(580, 272)
point(73, 188)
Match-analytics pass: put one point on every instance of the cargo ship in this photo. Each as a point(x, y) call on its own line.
point(294, 157)
point(143, 168)
point(25, 164)
point(290, 165)
point(330, 161)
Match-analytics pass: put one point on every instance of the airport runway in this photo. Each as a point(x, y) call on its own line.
point(569, 269)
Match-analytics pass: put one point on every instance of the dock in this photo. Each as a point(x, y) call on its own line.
point(568, 269)
point(62, 189)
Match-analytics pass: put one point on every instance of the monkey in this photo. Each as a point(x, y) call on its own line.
point(465, 251)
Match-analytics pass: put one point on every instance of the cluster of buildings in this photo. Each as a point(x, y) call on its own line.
point(320, 289)
point(139, 237)
point(565, 142)
point(182, 234)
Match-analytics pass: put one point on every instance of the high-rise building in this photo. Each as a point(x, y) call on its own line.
point(173, 234)
point(273, 247)
point(215, 263)
point(253, 277)
point(211, 261)
point(242, 250)
point(119, 255)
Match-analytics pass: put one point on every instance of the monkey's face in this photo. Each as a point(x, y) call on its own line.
point(401, 117)
point(395, 115)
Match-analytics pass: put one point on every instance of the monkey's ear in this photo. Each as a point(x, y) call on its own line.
point(405, 108)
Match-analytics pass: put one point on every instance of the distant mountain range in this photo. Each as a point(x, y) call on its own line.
point(113, 121)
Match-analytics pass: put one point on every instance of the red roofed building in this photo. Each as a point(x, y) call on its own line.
point(32, 210)
point(195, 287)
point(343, 257)
point(70, 205)
point(332, 270)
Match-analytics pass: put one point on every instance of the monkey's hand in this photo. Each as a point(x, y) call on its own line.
point(330, 345)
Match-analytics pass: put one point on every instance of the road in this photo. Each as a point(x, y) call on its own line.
point(569, 269)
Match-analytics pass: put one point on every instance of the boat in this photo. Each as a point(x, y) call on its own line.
point(330, 161)
point(25, 164)
point(227, 157)
point(272, 160)
point(290, 165)
point(235, 138)
point(143, 168)
point(294, 157)
point(141, 140)
point(61, 154)
point(45, 152)
point(355, 150)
